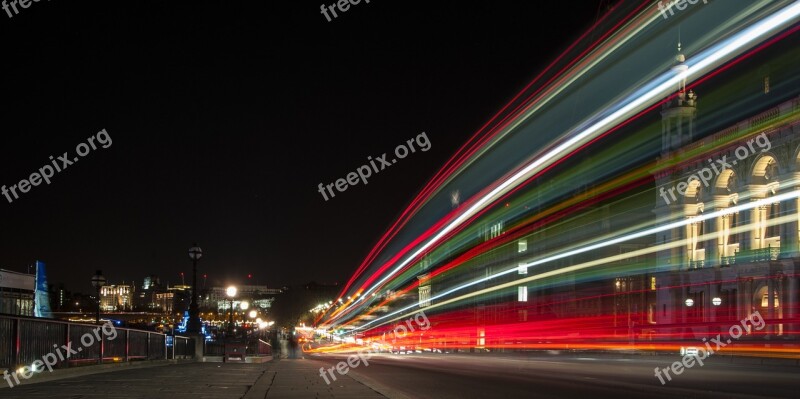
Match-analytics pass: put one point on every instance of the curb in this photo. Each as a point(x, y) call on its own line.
point(376, 386)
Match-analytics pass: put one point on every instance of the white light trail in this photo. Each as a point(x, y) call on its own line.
point(705, 61)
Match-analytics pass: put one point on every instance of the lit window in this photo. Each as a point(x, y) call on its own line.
point(522, 294)
point(765, 301)
point(522, 269)
point(496, 230)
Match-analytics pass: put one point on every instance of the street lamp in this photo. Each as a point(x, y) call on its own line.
point(231, 291)
point(254, 319)
point(193, 325)
point(98, 281)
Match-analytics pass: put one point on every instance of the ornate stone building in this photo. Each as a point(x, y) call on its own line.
point(736, 251)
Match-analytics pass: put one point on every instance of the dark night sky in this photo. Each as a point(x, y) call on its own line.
point(225, 116)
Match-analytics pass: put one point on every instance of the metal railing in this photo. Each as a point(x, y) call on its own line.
point(25, 340)
point(760, 255)
point(214, 349)
point(697, 264)
point(255, 347)
point(728, 260)
point(259, 348)
point(180, 347)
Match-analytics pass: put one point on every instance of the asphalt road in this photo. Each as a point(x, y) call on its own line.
point(461, 376)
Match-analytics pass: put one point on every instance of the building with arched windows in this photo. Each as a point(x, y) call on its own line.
point(738, 251)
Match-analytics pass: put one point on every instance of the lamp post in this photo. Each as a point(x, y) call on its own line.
point(193, 325)
point(231, 291)
point(98, 281)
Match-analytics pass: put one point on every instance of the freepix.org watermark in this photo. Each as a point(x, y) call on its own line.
point(353, 361)
point(707, 175)
point(689, 360)
point(342, 5)
point(678, 4)
point(365, 171)
point(419, 318)
point(59, 164)
point(60, 354)
point(12, 5)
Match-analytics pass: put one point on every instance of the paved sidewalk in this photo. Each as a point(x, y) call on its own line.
point(299, 378)
point(280, 378)
point(174, 381)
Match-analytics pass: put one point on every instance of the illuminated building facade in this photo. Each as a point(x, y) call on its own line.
point(734, 259)
point(16, 293)
point(258, 296)
point(684, 282)
point(116, 298)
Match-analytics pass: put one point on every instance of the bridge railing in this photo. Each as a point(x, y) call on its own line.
point(180, 347)
point(259, 348)
point(61, 344)
point(254, 347)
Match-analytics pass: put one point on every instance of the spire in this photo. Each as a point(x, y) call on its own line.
point(678, 113)
point(680, 68)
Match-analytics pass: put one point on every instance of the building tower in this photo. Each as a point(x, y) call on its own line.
point(678, 115)
point(677, 131)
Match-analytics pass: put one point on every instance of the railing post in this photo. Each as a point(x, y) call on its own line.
point(127, 346)
point(102, 347)
point(66, 341)
point(16, 342)
point(147, 351)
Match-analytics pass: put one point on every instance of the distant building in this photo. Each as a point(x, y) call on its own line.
point(17, 293)
point(181, 297)
point(117, 298)
point(259, 296)
point(151, 282)
point(147, 297)
point(164, 302)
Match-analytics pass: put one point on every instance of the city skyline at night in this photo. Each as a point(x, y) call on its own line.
point(586, 198)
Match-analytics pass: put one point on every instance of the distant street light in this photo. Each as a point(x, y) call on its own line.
point(193, 325)
point(98, 281)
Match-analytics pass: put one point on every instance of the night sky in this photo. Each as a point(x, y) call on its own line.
point(225, 116)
